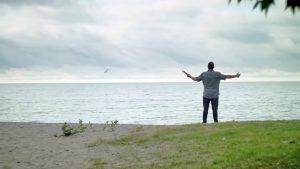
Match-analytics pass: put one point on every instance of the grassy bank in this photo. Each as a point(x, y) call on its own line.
point(270, 144)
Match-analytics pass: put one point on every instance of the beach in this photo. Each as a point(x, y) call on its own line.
point(253, 144)
point(34, 146)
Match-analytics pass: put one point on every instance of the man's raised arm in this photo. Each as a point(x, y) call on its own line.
point(233, 76)
point(190, 76)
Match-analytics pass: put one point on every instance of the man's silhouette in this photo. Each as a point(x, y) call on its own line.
point(211, 82)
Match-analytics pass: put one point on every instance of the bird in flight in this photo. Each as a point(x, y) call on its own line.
point(106, 70)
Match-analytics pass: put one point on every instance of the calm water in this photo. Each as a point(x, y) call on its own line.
point(146, 103)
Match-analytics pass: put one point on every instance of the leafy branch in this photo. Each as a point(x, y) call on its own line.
point(264, 5)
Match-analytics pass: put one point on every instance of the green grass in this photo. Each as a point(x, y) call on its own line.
point(97, 164)
point(94, 144)
point(269, 144)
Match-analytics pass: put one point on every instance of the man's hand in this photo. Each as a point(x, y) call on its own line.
point(187, 74)
point(238, 75)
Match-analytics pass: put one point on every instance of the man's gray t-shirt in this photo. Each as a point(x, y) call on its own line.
point(211, 82)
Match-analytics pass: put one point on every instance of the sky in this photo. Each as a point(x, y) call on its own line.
point(145, 41)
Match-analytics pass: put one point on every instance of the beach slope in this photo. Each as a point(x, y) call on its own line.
point(265, 144)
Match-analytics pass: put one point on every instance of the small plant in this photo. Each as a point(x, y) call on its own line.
point(91, 125)
point(69, 130)
point(112, 125)
point(80, 128)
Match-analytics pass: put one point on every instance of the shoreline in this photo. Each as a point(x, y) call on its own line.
point(134, 124)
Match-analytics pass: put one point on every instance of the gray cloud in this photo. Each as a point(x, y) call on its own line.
point(247, 35)
point(16, 3)
point(139, 36)
point(17, 55)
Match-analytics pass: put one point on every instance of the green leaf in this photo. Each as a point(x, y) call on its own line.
point(256, 4)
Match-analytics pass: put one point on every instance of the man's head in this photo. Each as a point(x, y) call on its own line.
point(211, 65)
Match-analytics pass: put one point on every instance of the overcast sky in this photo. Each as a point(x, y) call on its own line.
point(142, 40)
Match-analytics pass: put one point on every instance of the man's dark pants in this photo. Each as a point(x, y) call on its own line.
point(214, 105)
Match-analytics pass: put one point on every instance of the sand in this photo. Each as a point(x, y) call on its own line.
point(34, 146)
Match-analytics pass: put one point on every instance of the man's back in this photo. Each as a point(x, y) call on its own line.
point(211, 82)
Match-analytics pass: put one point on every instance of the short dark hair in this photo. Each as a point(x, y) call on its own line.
point(211, 65)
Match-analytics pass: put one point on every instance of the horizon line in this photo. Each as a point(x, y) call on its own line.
point(109, 82)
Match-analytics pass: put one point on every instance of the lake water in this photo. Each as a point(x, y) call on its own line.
point(146, 103)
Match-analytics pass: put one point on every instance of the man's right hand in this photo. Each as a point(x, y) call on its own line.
point(187, 74)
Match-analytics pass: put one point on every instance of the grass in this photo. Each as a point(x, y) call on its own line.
point(268, 144)
point(97, 164)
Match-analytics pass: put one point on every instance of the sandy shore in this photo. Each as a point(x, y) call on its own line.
point(34, 146)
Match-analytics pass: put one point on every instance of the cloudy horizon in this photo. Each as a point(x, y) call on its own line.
point(114, 41)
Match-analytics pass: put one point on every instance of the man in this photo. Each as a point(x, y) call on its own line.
point(211, 82)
